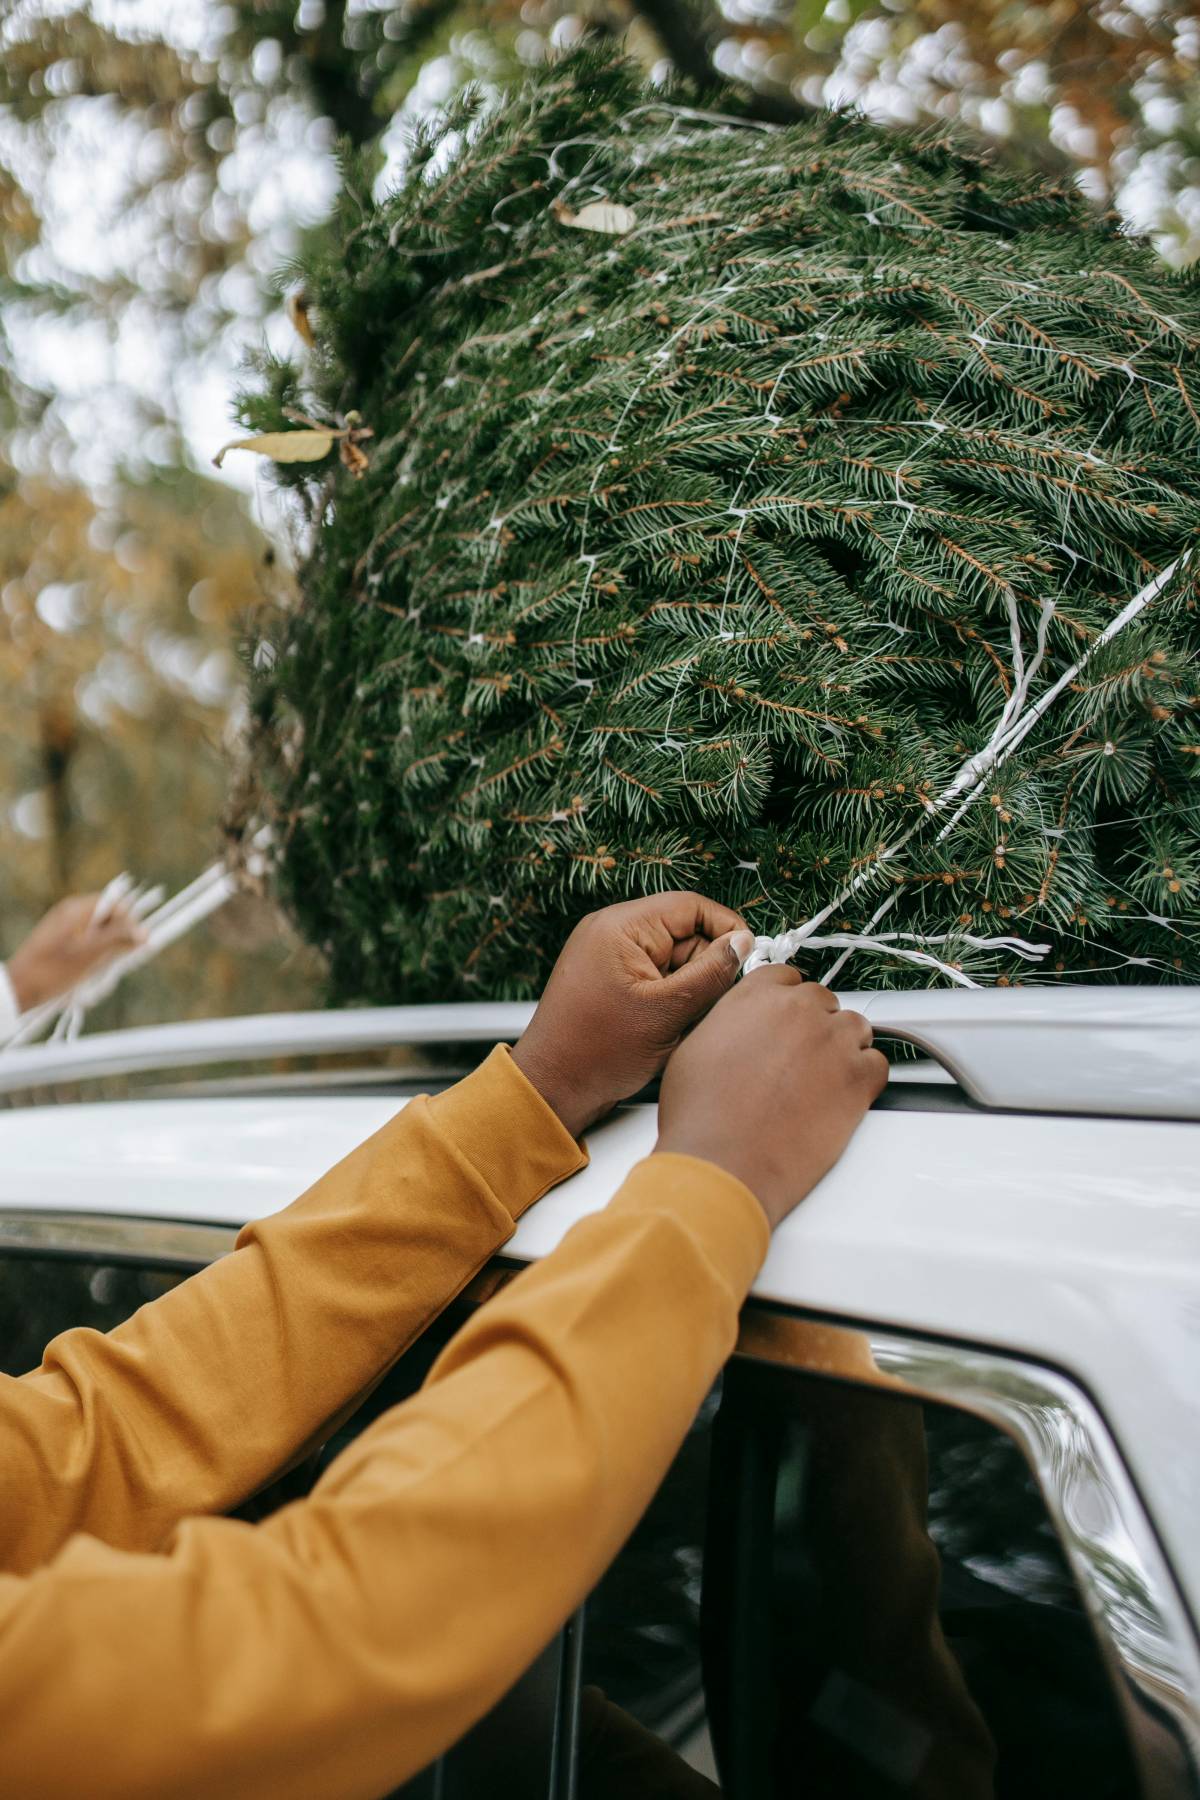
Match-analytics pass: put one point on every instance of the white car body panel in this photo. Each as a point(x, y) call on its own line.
point(1071, 1241)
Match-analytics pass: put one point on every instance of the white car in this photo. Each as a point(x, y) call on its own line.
point(934, 1533)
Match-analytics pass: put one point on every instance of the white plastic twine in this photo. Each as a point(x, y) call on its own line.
point(164, 923)
point(1015, 723)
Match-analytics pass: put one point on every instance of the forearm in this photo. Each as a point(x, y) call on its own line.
point(339, 1648)
point(203, 1395)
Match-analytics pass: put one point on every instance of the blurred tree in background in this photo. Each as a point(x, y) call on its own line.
point(128, 579)
point(121, 695)
point(161, 159)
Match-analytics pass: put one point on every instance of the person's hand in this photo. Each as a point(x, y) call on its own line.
point(771, 1086)
point(66, 945)
point(628, 984)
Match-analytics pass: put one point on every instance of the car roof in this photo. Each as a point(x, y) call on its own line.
point(1067, 1239)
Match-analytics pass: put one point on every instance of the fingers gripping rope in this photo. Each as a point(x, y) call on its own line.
point(1014, 725)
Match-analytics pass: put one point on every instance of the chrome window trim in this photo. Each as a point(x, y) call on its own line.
point(1141, 1618)
point(102, 1237)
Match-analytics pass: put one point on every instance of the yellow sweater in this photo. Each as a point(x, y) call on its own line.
point(151, 1648)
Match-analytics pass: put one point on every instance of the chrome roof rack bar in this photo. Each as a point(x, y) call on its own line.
point(1119, 1052)
point(1116, 1051)
point(152, 1049)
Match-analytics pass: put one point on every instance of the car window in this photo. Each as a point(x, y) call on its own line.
point(43, 1296)
point(868, 1602)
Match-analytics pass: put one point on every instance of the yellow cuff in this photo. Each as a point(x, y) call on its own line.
point(499, 1122)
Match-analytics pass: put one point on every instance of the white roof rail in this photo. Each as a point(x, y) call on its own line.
point(1120, 1051)
point(257, 1036)
point(1129, 1052)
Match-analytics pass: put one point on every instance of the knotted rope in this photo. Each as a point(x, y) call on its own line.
point(1016, 721)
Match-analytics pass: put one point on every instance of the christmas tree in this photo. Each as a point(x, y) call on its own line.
point(751, 509)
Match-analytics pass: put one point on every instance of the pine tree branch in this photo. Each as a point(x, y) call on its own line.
point(707, 553)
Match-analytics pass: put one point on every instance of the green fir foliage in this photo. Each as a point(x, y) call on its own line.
point(689, 554)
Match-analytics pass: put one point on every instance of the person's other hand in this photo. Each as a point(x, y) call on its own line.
point(771, 1086)
point(66, 945)
point(628, 984)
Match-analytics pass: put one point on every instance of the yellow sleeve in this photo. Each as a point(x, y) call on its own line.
point(205, 1394)
point(335, 1650)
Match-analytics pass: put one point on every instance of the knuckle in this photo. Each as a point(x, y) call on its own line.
point(781, 975)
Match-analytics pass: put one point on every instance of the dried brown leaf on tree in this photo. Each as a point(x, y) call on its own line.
point(352, 457)
point(298, 315)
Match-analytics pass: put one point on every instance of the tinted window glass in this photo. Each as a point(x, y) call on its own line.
point(642, 1643)
point(874, 1604)
point(43, 1296)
